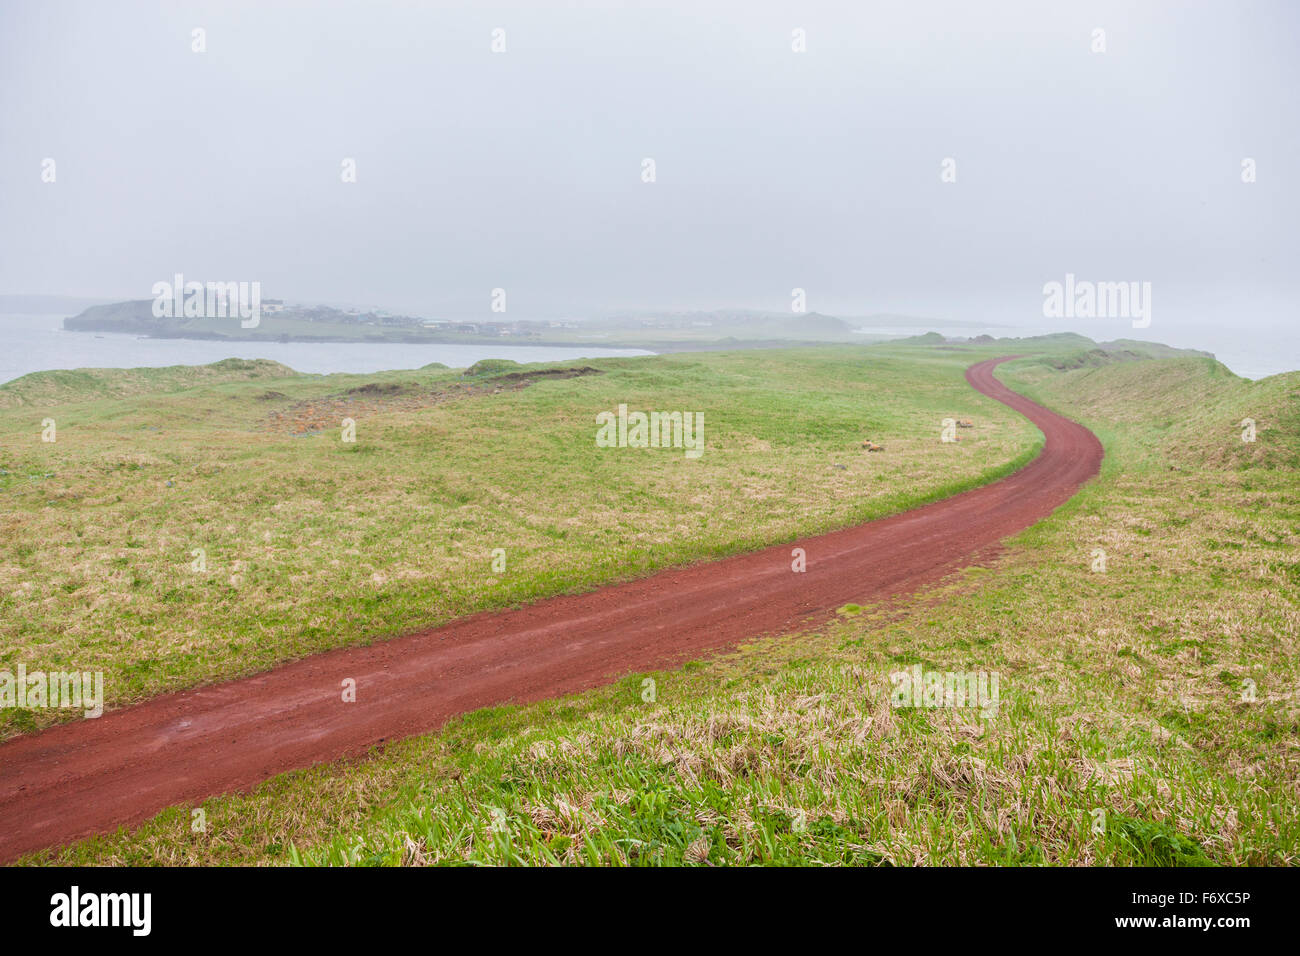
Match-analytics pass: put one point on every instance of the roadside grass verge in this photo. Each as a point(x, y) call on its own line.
point(1148, 712)
point(188, 526)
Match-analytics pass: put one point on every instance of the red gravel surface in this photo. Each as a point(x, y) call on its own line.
point(91, 776)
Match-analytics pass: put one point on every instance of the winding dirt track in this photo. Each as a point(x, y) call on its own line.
point(94, 775)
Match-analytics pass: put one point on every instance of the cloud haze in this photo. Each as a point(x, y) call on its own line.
point(774, 169)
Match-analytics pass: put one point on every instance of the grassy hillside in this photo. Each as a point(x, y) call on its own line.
point(77, 386)
point(309, 542)
point(1184, 424)
point(1148, 711)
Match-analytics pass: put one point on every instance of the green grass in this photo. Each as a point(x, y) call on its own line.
point(311, 543)
point(1127, 733)
point(50, 389)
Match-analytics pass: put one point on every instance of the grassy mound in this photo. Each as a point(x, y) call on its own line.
point(1189, 411)
point(491, 367)
point(49, 389)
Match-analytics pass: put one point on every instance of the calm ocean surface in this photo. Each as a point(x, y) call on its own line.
point(38, 343)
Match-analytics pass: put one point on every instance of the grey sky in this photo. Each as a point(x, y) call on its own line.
point(774, 169)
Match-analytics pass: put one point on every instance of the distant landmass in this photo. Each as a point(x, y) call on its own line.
point(659, 331)
point(668, 331)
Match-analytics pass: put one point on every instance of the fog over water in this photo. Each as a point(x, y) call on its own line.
point(1168, 156)
point(42, 344)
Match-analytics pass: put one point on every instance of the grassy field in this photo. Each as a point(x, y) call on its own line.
point(1148, 710)
point(189, 525)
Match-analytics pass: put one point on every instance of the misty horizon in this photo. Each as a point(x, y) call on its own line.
point(774, 169)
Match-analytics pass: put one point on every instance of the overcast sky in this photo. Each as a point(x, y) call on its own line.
point(774, 169)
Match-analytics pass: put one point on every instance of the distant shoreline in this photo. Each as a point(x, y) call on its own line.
point(271, 320)
point(649, 345)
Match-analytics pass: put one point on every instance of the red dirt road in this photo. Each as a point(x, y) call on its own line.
point(91, 776)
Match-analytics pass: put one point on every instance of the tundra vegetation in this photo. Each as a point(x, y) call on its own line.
point(188, 525)
point(1147, 703)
